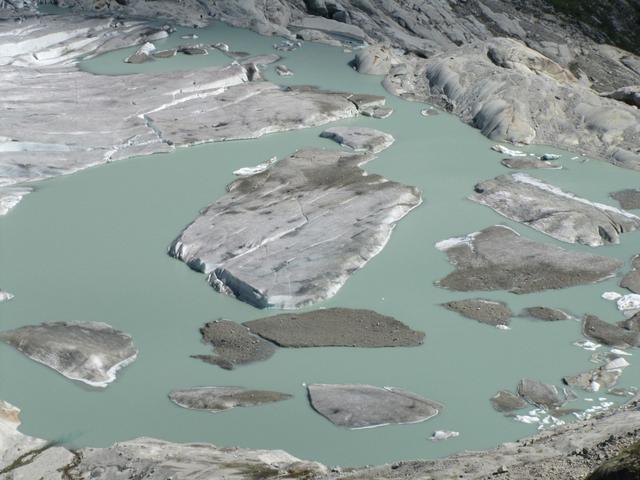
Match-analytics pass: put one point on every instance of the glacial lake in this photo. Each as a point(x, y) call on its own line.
point(92, 247)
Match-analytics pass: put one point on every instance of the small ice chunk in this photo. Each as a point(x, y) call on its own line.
point(508, 151)
point(527, 419)
point(629, 303)
point(611, 295)
point(550, 156)
point(248, 171)
point(617, 351)
point(440, 435)
point(5, 296)
point(616, 364)
point(587, 345)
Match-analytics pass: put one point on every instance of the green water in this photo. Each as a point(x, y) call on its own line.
point(92, 247)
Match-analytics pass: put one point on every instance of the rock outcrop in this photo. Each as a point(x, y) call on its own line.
point(541, 394)
point(366, 406)
point(233, 344)
point(217, 399)
point(548, 209)
point(498, 258)
point(293, 234)
point(89, 352)
point(335, 327)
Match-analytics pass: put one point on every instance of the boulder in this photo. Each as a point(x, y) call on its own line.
point(506, 401)
point(545, 313)
point(529, 163)
point(631, 281)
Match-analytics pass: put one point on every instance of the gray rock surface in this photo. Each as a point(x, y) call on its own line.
point(504, 88)
point(150, 113)
point(484, 311)
point(373, 60)
point(630, 95)
point(360, 139)
point(233, 345)
point(528, 163)
point(632, 324)
point(548, 209)
point(335, 327)
point(541, 394)
point(594, 380)
point(629, 199)
point(89, 352)
point(364, 406)
point(506, 401)
point(217, 399)
point(498, 258)
point(609, 334)
point(631, 281)
point(293, 234)
point(545, 313)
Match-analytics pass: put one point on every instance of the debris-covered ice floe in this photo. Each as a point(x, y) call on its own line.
point(261, 167)
point(440, 435)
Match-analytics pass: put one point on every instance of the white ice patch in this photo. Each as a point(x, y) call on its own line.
point(5, 296)
point(617, 351)
point(248, 171)
point(629, 304)
point(503, 327)
point(527, 419)
point(617, 364)
point(550, 156)
point(10, 197)
point(508, 151)
point(611, 295)
point(587, 345)
point(440, 435)
point(445, 245)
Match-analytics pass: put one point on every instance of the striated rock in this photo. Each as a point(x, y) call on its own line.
point(629, 199)
point(541, 394)
point(504, 88)
point(335, 327)
point(631, 281)
point(505, 401)
point(365, 406)
point(484, 311)
point(498, 258)
point(233, 344)
point(293, 234)
point(89, 352)
point(331, 27)
point(373, 60)
point(609, 334)
point(548, 209)
point(546, 314)
point(360, 139)
point(528, 163)
point(217, 399)
point(309, 35)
